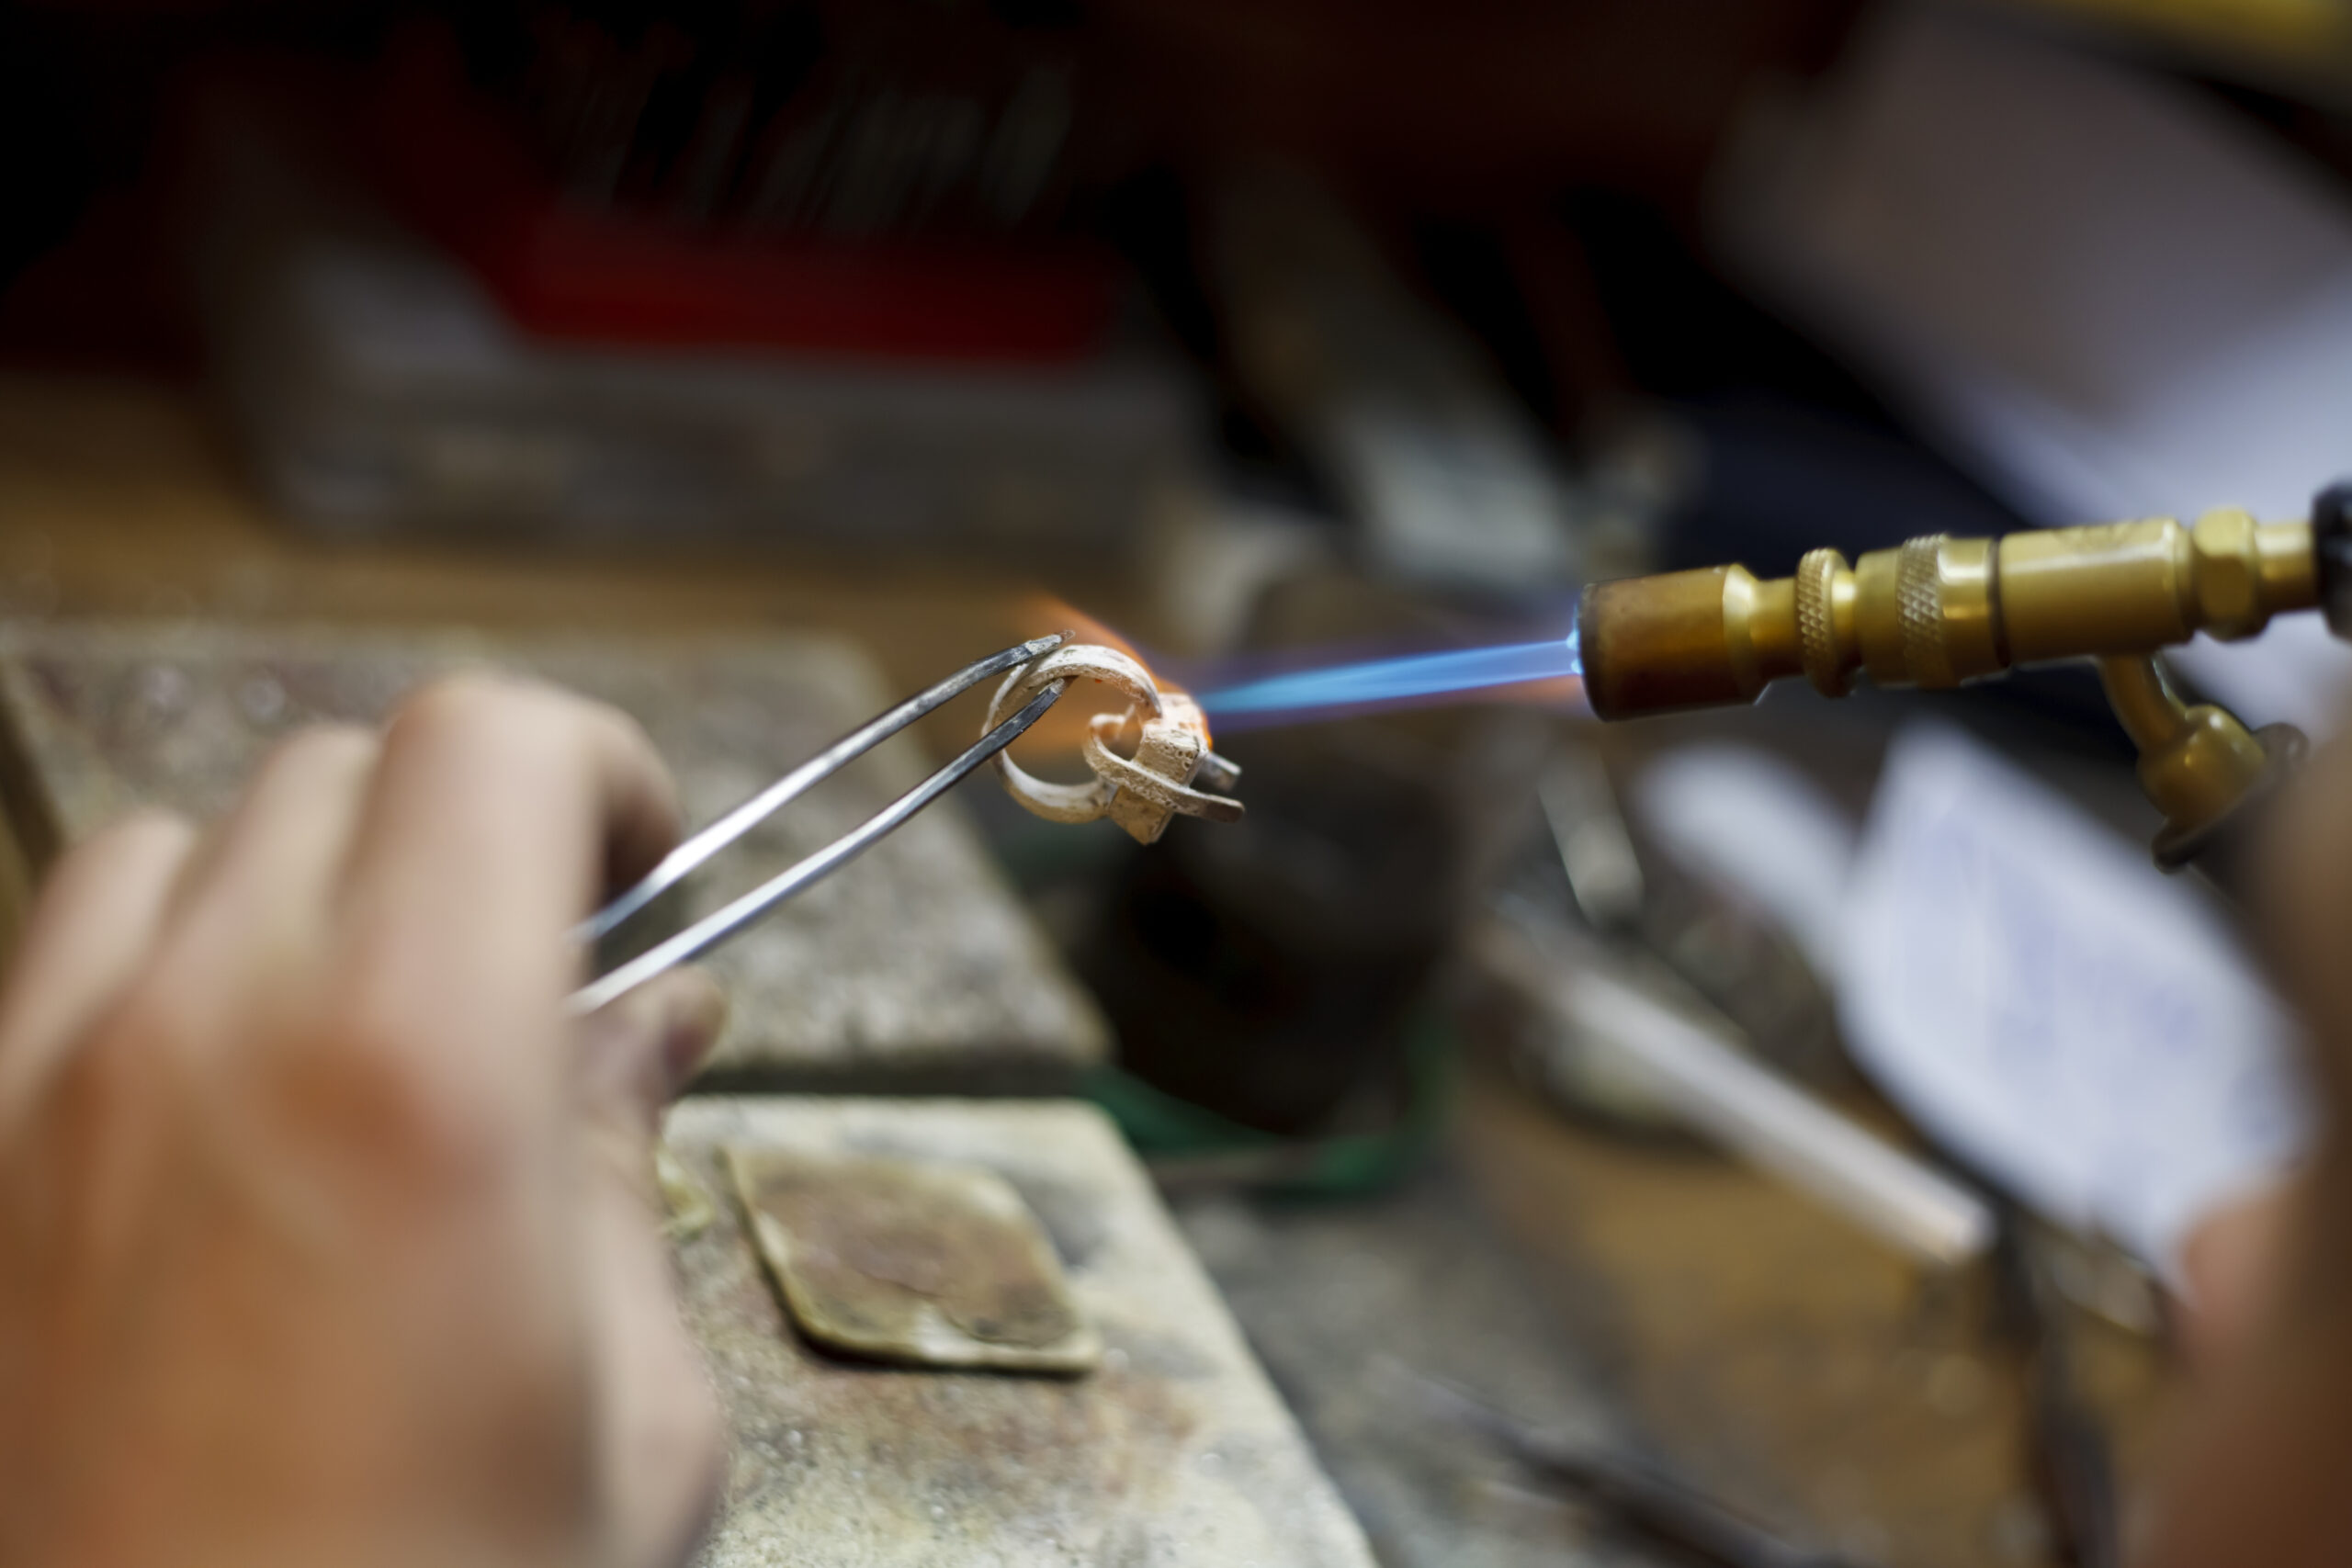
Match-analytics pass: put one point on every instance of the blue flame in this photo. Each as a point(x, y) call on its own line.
point(1414, 679)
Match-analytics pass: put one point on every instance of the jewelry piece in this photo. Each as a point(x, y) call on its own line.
point(1141, 792)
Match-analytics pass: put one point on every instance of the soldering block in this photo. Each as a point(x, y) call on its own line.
point(1174, 1451)
point(915, 970)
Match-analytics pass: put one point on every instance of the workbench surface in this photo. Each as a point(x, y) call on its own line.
point(1780, 1357)
point(913, 969)
point(1174, 1453)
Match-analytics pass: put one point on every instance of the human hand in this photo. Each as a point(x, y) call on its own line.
point(2256, 1469)
point(327, 1235)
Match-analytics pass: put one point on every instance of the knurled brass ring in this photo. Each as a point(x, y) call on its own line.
point(1919, 611)
point(1817, 623)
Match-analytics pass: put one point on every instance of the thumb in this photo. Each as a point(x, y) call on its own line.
point(639, 1050)
point(660, 1459)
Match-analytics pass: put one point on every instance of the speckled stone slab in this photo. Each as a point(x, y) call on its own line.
point(914, 969)
point(1175, 1453)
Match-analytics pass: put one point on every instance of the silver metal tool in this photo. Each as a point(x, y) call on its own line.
point(1689, 1059)
point(700, 848)
point(1651, 1502)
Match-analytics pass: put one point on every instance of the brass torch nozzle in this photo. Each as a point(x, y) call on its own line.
point(1939, 611)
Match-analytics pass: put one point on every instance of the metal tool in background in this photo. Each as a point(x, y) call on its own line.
point(1636, 1026)
point(1720, 943)
point(701, 848)
point(1614, 1026)
point(1608, 1016)
point(1645, 1500)
point(1938, 612)
point(2070, 1460)
point(1597, 852)
point(1597, 1002)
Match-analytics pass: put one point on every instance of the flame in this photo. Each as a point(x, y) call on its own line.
point(1563, 692)
point(1302, 687)
point(1043, 613)
point(1292, 689)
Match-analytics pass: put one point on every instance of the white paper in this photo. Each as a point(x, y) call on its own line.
point(2041, 998)
point(1743, 816)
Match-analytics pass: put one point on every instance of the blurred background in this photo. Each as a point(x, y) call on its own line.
point(1805, 1105)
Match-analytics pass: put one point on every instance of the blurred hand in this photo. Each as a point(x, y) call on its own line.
point(2258, 1471)
point(326, 1238)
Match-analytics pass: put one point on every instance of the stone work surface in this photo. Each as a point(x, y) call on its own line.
point(915, 969)
point(1174, 1453)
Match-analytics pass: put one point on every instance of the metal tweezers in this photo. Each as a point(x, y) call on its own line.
point(698, 851)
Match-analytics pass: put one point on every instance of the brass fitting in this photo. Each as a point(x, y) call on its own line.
point(1937, 611)
point(2198, 764)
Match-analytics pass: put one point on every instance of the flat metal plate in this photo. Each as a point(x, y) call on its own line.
point(915, 970)
point(1174, 1453)
point(922, 1262)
